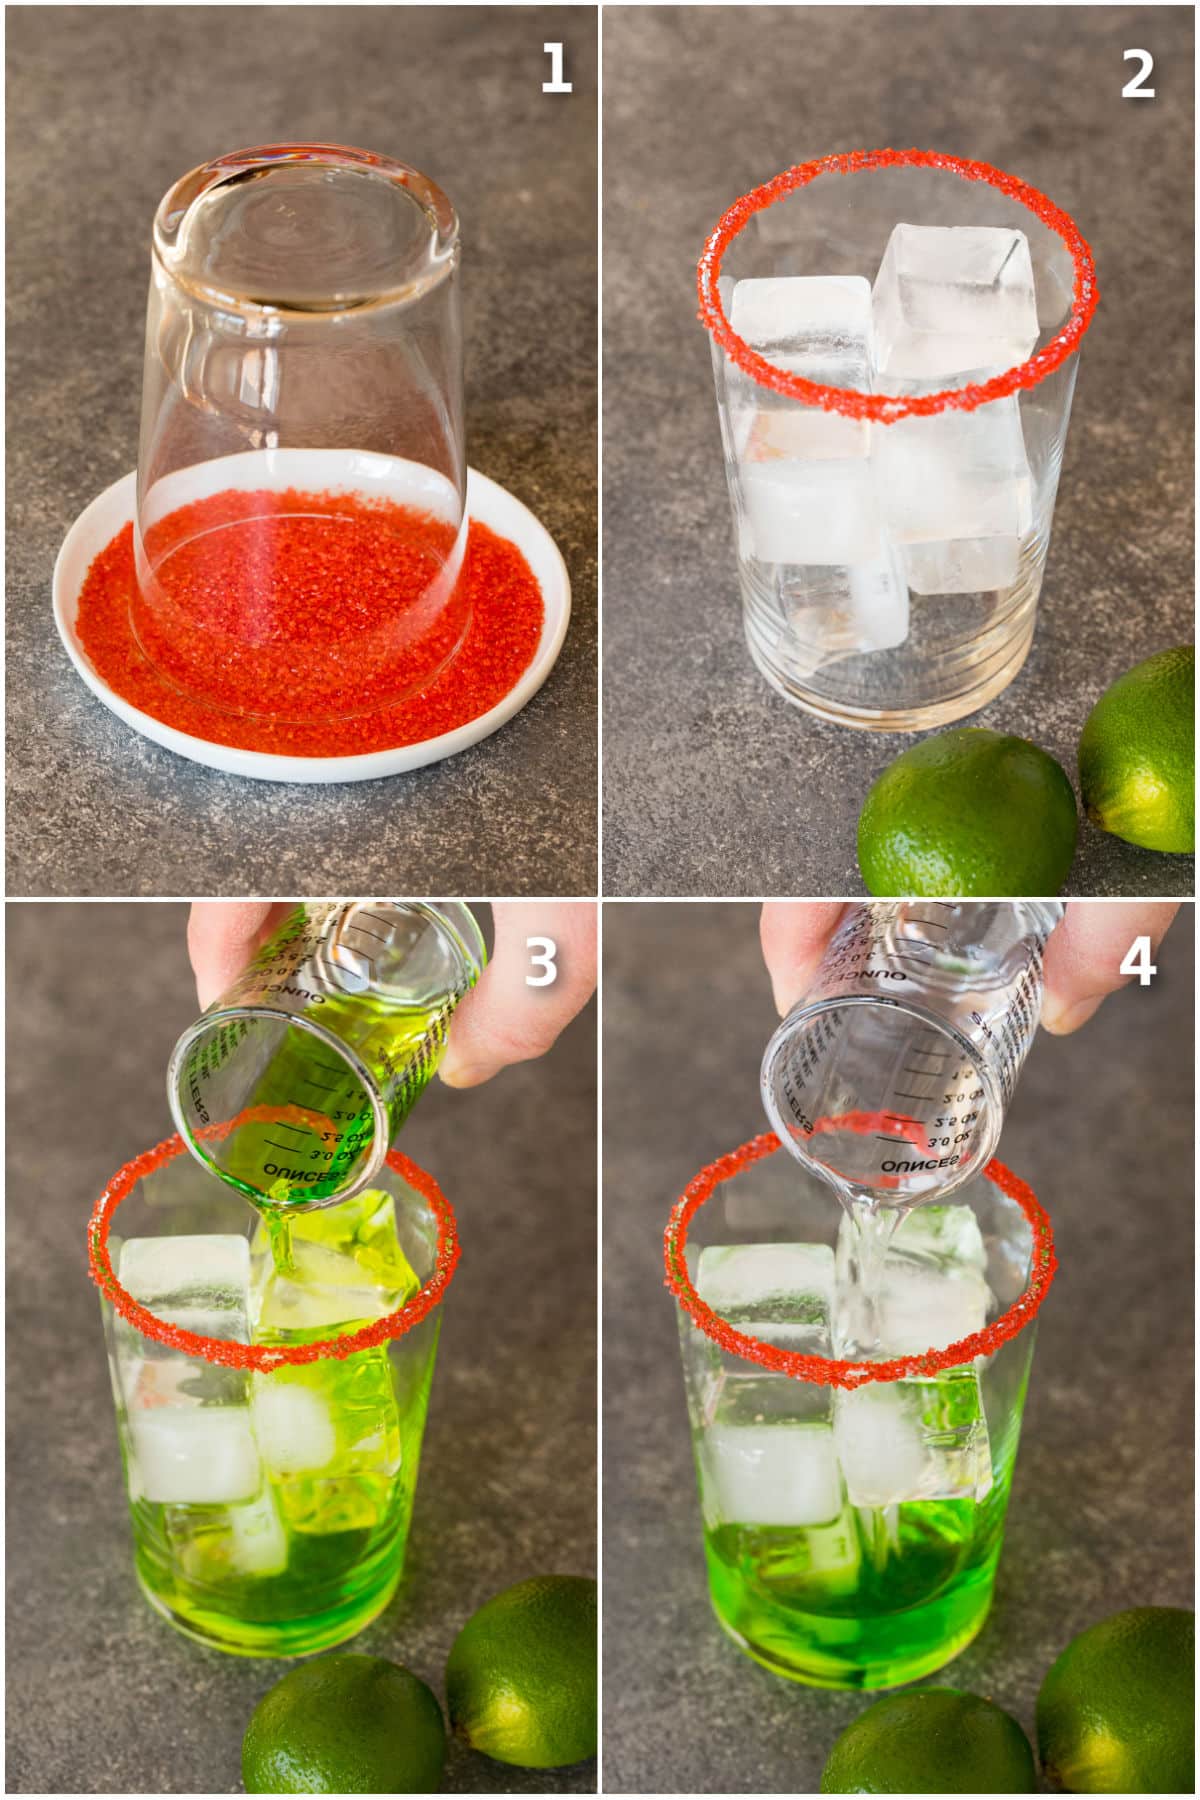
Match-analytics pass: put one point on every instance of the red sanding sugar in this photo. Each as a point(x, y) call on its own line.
point(312, 596)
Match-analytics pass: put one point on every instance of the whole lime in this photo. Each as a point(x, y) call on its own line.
point(1116, 1713)
point(1137, 754)
point(968, 812)
point(521, 1678)
point(931, 1741)
point(345, 1725)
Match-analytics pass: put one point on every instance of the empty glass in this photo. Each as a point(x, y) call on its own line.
point(895, 344)
point(300, 523)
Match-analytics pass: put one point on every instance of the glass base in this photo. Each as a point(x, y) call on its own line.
point(912, 718)
point(294, 1637)
point(832, 1652)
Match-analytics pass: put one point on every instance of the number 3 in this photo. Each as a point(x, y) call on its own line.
point(1137, 961)
point(542, 952)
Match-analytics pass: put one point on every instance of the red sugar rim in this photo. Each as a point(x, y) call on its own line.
point(828, 1371)
point(887, 407)
point(266, 1356)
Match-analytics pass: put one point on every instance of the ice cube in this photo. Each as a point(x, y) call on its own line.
point(211, 1544)
point(320, 1507)
point(338, 1416)
point(815, 326)
point(197, 1283)
point(292, 1425)
point(323, 1290)
point(797, 510)
point(957, 475)
point(258, 1542)
point(792, 1283)
point(780, 1474)
point(203, 1455)
point(901, 1441)
point(932, 1290)
point(832, 612)
point(952, 299)
point(803, 490)
point(962, 565)
point(780, 1293)
point(947, 1236)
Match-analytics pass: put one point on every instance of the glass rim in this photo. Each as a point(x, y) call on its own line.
point(887, 408)
point(264, 1357)
point(827, 1371)
point(182, 195)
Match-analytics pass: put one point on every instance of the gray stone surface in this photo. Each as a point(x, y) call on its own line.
point(107, 106)
point(1102, 1510)
point(103, 1697)
point(712, 783)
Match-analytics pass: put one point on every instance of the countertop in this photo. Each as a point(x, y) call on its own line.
point(103, 1696)
point(1101, 1515)
point(107, 107)
point(713, 784)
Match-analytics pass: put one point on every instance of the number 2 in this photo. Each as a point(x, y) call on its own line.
point(542, 952)
point(1133, 90)
point(1137, 961)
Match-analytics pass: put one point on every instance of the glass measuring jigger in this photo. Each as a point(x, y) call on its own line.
point(301, 525)
point(291, 1086)
point(891, 1078)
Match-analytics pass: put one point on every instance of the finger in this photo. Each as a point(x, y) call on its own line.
point(1085, 953)
point(222, 937)
point(504, 1020)
point(794, 934)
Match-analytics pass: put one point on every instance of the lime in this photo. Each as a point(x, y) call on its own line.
point(345, 1725)
point(1115, 1715)
point(1137, 755)
point(521, 1679)
point(968, 812)
point(931, 1741)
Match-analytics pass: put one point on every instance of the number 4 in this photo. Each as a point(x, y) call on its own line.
point(1137, 961)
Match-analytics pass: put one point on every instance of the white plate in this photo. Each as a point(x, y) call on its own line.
point(491, 504)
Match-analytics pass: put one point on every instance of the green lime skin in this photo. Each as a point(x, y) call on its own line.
point(521, 1677)
point(1137, 754)
point(931, 1741)
point(345, 1725)
point(1116, 1713)
point(968, 812)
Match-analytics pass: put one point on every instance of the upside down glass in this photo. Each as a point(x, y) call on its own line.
point(317, 1052)
point(853, 1511)
point(893, 451)
point(270, 1407)
point(301, 481)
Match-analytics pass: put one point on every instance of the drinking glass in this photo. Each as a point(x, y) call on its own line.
point(853, 1511)
point(891, 526)
point(270, 1408)
point(300, 522)
point(292, 1085)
